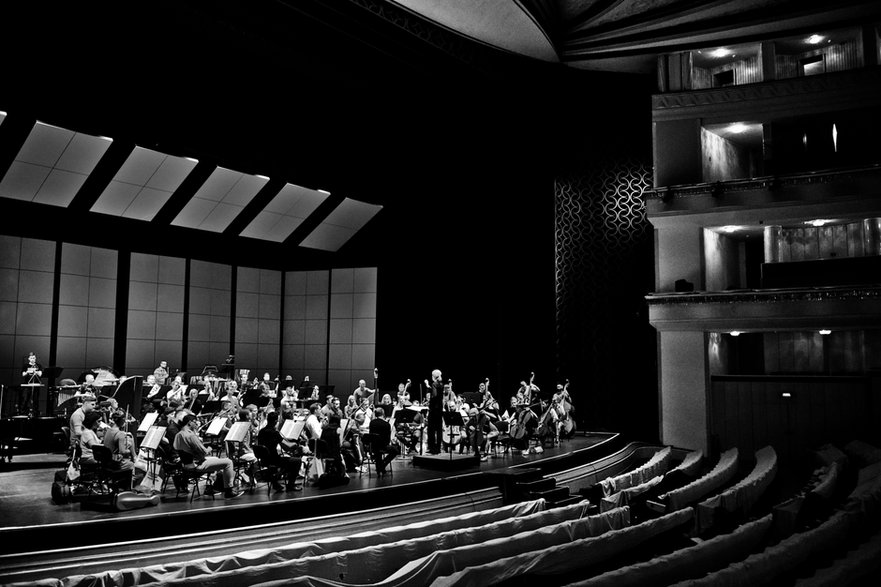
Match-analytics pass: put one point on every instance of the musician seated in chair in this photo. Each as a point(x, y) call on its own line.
point(245, 452)
point(384, 452)
point(89, 438)
point(188, 441)
point(272, 439)
point(120, 444)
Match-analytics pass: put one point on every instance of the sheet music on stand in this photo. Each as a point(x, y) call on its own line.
point(291, 429)
point(237, 432)
point(153, 438)
point(216, 426)
point(149, 420)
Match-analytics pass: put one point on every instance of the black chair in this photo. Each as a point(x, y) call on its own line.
point(192, 477)
point(367, 441)
point(235, 450)
point(269, 472)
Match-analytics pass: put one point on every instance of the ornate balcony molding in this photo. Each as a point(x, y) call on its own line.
point(814, 294)
point(851, 81)
point(769, 183)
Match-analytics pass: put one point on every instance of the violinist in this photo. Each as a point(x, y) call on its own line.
point(121, 445)
point(176, 394)
point(245, 453)
point(287, 460)
point(351, 407)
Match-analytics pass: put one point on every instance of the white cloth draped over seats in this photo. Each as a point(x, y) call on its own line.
point(742, 496)
point(722, 473)
point(693, 561)
point(863, 507)
point(825, 489)
point(422, 571)
point(204, 569)
point(563, 558)
point(656, 465)
point(691, 464)
point(624, 496)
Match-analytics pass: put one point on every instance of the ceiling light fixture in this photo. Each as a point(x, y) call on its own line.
point(824, 332)
point(721, 52)
point(734, 333)
point(815, 39)
point(737, 128)
point(730, 229)
point(818, 222)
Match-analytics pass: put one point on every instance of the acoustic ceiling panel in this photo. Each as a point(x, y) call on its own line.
point(220, 199)
point(340, 225)
point(143, 184)
point(287, 210)
point(52, 165)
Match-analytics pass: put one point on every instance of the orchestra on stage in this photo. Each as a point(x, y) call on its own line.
point(165, 428)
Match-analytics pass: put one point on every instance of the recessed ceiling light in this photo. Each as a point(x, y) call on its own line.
point(730, 229)
point(814, 39)
point(721, 52)
point(818, 222)
point(737, 128)
point(825, 332)
point(735, 333)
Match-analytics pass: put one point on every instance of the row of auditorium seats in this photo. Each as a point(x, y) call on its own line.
point(528, 542)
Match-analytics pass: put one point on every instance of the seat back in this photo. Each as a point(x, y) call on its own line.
point(102, 454)
point(264, 457)
point(186, 458)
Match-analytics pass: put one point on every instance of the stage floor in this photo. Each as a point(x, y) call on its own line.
point(25, 484)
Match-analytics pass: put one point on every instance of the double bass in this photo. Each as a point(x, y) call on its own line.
point(565, 410)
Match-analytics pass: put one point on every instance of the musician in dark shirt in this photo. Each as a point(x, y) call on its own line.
point(384, 452)
point(272, 439)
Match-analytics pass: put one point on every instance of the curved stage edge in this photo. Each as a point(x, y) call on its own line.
point(206, 528)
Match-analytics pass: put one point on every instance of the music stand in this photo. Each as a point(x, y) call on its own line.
point(211, 407)
point(452, 419)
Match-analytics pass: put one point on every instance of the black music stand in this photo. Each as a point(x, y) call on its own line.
point(452, 419)
point(210, 407)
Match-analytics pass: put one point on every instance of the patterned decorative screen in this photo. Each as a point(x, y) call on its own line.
point(603, 252)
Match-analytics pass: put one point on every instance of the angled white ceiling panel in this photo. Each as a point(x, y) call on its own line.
point(143, 184)
point(287, 210)
point(2, 116)
point(219, 200)
point(52, 165)
point(340, 225)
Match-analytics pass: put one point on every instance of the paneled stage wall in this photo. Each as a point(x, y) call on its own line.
point(80, 307)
